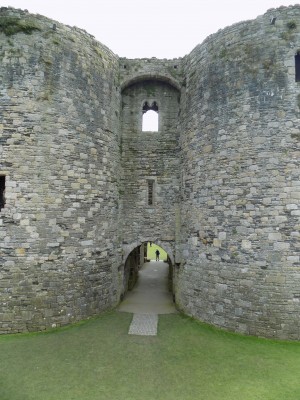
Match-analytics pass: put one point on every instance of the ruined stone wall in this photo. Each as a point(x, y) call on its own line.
point(225, 166)
point(240, 178)
point(150, 156)
point(59, 247)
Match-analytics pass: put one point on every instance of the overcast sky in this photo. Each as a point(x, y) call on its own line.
point(153, 28)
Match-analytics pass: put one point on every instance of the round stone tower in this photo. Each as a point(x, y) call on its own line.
point(217, 184)
point(240, 178)
point(60, 164)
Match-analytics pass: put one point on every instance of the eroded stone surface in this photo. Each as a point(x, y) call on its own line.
point(224, 162)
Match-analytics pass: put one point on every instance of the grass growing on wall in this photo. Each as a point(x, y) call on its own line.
point(13, 25)
point(151, 252)
point(187, 361)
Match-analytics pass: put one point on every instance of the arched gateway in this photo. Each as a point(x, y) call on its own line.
point(217, 184)
point(137, 257)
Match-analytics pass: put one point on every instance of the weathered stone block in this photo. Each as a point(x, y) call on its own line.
point(77, 165)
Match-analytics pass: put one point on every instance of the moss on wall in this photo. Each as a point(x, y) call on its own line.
point(12, 25)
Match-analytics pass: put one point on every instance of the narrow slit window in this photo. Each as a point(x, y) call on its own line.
point(150, 193)
point(150, 117)
point(2, 191)
point(297, 67)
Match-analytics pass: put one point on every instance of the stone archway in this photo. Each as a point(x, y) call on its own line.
point(140, 77)
point(134, 257)
point(152, 291)
point(167, 246)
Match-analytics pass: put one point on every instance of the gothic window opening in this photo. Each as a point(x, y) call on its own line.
point(150, 192)
point(150, 117)
point(297, 66)
point(2, 191)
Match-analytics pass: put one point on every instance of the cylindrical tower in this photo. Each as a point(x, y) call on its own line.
point(217, 184)
point(240, 178)
point(59, 172)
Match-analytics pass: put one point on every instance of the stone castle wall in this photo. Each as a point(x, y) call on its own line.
point(225, 167)
point(240, 178)
point(60, 249)
point(150, 156)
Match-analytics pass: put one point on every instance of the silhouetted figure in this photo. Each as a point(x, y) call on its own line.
point(157, 255)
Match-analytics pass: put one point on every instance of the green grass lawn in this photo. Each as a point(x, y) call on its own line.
point(151, 252)
point(187, 361)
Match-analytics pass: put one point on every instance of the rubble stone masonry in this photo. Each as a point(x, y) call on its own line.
point(75, 168)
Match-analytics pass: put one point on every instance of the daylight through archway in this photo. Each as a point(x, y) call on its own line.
point(152, 291)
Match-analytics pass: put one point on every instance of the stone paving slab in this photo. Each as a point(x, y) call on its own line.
point(144, 324)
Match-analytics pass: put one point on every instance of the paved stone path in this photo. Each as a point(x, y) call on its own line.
point(144, 324)
point(149, 298)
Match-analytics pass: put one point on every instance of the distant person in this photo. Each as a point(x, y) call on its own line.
point(150, 244)
point(157, 253)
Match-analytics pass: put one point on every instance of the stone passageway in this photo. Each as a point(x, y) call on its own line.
point(149, 298)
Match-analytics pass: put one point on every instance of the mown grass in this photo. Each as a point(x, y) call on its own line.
point(187, 361)
point(151, 252)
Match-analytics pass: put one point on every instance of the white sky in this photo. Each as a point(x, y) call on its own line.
point(149, 28)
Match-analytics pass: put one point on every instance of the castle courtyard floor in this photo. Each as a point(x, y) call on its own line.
point(149, 298)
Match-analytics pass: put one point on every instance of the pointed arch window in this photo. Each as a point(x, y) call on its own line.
point(150, 117)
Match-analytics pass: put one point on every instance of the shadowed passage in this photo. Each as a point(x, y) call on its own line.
point(150, 295)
